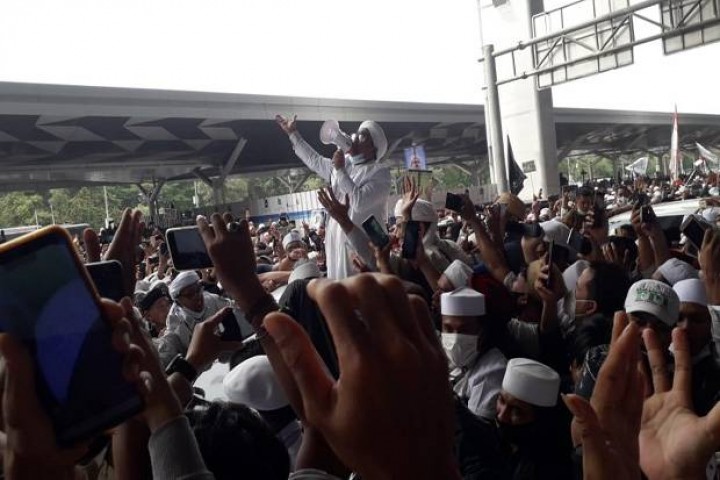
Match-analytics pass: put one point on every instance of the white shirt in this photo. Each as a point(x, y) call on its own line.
point(367, 186)
point(181, 323)
point(480, 386)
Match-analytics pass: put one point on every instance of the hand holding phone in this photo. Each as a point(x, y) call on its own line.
point(187, 249)
point(411, 240)
point(453, 202)
point(550, 263)
point(376, 232)
point(60, 320)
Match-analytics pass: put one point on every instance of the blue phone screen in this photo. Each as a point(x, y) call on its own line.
point(45, 302)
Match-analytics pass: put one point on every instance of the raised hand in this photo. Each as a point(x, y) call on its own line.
point(340, 212)
point(674, 442)
point(206, 345)
point(388, 353)
point(708, 259)
point(233, 257)
point(124, 244)
point(286, 124)
point(610, 422)
point(410, 195)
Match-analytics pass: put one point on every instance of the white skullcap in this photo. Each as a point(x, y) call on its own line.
point(397, 211)
point(557, 231)
point(573, 272)
point(424, 211)
point(253, 383)
point(691, 290)
point(463, 302)
point(532, 382)
point(183, 280)
point(711, 214)
point(292, 237)
point(674, 270)
point(545, 212)
point(378, 137)
point(313, 255)
point(655, 298)
point(458, 273)
point(714, 192)
point(304, 270)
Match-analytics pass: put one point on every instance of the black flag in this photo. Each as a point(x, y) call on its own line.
point(516, 176)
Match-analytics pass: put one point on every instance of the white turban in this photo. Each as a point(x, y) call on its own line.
point(378, 137)
point(253, 383)
point(674, 270)
point(557, 231)
point(573, 272)
point(292, 237)
point(458, 273)
point(424, 211)
point(184, 280)
point(691, 290)
point(532, 382)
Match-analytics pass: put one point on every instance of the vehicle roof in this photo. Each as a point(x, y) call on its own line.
point(665, 209)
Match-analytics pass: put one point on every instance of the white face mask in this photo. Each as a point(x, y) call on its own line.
point(355, 159)
point(461, 349)
point(568, 305)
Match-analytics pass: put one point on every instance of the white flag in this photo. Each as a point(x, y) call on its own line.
point(675, 157)
point(639, 166)
point(707, 155)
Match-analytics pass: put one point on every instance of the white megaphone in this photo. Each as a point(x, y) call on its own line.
point(330, 133)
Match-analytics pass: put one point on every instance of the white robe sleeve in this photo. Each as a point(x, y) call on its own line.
point(315, 162)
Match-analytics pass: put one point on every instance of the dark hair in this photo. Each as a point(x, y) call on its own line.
point(629, 231)
point(608, 287)
point(592, 331)
point(585, 192)
point(235, 442)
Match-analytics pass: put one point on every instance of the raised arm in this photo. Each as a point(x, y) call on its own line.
point(315, 162)
point(490, 253)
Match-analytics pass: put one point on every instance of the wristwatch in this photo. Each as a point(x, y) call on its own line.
point(181, 366)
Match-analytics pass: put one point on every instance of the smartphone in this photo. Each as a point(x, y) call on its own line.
point(187, 249)
point(376, 232)
point(453, 202)
point(694, 230)
point(49, 303)
point(108, 279)
point(647, 215)
point(229, 328)
point(410, 240)
point(578, 242)
point(163, 249)
point(551, 262)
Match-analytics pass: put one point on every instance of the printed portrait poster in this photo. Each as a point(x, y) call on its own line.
point(415, 158)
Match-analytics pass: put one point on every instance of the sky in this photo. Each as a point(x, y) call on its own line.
point(399, 50)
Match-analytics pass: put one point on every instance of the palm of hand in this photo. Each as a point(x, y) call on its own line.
point(673, 440)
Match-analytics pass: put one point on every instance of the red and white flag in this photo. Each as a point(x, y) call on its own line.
point(675, 157)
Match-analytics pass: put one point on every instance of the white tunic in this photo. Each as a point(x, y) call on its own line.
point(481, 384)
point(367, 186)
point(181, 322)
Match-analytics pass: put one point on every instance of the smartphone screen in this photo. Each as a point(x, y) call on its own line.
point(376, 232)
point(695, 232)
point(551, 262)
point(229, 328)
point(187, 249)
point(108, 279)
point(453, 202)
point(48, 303)
point(410, 240)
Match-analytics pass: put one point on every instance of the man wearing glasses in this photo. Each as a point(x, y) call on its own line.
point(357, 174)
point(191, 305)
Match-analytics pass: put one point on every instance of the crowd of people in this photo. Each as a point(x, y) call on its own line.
point(513, 342)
